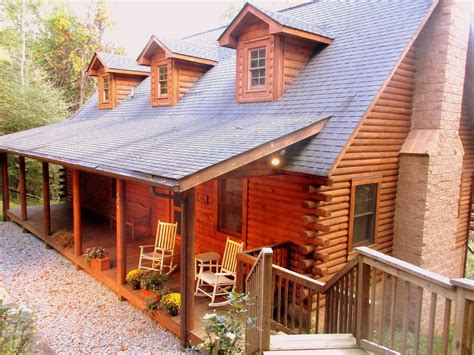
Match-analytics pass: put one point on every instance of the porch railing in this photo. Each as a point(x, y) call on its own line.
point(257, 336)
point(389, 305)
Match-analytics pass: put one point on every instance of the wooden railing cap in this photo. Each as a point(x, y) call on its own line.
point(406, 267)
point(464, 283)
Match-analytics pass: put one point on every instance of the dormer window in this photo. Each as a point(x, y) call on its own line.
point(163, 81)
point(271, 49)
point(117, 77)
point(176, 65)
point(105, 89)
point(257, 69)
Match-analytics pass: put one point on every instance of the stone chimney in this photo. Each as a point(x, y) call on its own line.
point(431, 158)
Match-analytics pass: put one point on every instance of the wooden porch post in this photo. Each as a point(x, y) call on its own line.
point(46, 203)
point(24, 211)
point(187, 266)
point(5, 186)
point(76, 210)
point(120, 223)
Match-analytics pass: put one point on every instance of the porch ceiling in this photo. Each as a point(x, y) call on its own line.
point(176, 153)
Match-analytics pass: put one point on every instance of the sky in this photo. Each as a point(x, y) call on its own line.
point(135, 21)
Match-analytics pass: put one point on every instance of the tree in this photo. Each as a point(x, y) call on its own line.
point(65, 46)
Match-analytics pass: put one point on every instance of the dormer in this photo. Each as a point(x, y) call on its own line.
point(271, 50)
point(117, 76)
point(176, 65)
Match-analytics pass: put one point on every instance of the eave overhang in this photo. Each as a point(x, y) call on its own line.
point(229, 38)
point(154, 44)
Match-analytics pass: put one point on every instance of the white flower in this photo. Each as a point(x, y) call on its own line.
point(208, 316)
point(230, 335)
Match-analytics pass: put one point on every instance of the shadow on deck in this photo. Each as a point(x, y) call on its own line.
point(97, 231)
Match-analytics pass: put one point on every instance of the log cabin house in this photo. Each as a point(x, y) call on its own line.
point(317, 129)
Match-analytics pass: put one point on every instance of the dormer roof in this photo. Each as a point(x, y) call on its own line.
point(180, 49)
point(115, 64)
point(278, 23)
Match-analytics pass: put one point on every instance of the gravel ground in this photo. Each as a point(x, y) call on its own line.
point(75, 313)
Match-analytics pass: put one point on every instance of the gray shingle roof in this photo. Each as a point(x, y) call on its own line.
point(190, 48)
point(114, 61)
point(293, 22)
point(170, 142)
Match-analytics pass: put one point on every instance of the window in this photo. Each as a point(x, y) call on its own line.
point(105, 89)
point(364, 201)
point(162, 81)
point(230, 206)
point(257, 67)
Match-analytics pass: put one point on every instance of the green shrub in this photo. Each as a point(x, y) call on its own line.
point(16, 330)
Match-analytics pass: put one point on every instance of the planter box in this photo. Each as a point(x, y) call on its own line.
point(100, 264)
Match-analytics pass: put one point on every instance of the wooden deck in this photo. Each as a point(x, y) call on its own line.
point(96, 231)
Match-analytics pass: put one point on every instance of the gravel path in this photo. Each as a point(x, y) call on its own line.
point(75, 313)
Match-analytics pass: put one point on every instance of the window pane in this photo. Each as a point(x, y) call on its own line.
point(364, 214)
point(261, 53)
point(230, 205)
point(254, 63)
point(163, 88)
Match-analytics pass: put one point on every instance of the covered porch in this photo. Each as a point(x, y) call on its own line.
point(97, 231)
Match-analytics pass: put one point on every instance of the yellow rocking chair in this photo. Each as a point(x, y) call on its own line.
point(160, 257)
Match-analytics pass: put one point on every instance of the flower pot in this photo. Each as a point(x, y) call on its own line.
point(147, 293)
point(100, 264)
point(135, 285)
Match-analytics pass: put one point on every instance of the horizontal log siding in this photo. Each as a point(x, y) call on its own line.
point(466, 133)
point(296, 54)
point(189, 74)
point(374, 152)
point(124, 85)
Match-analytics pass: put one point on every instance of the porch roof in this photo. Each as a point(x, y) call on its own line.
point(176, 152)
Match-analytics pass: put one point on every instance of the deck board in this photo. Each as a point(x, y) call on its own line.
point(96, 231)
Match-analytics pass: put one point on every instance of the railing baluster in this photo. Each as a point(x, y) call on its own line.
point(446, 320)
point(373, 295)
point(434, 299)
point(393, 304)
point(382, 310)
point(318, 309)
point(419, 302)
point(279, 299)
point(293, 308)
point(287, 285)
point(406, 310)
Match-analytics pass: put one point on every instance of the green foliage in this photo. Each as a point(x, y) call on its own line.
point(225, 332)
point(152, 281)
point(470, 261)
point(94, 253)
point(44, 52)
point(65, 46)
point(16, 330)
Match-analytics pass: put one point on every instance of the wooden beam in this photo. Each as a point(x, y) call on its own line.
point(251, 155)
point(187, 266)
point(24, 210)
point(46, 202)
point(5, 186)
point(76, 208)
point(121, 242)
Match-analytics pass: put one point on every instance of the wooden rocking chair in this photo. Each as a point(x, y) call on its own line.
point(160, 257)
point(224, 279)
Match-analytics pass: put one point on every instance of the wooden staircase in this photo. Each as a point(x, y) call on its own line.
point(344, 344)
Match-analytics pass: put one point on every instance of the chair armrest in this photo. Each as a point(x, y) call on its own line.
point(146, 246)
point(225, 274)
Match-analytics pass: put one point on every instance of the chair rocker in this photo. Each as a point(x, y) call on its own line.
point(222, 282)
point(160, 257)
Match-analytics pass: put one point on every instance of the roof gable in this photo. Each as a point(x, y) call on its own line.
point(278, 24)
point(180, 49)
point(113, 63)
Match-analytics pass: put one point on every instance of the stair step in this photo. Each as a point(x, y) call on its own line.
point(344, 344)
point(317, 351)
point(312, 341)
